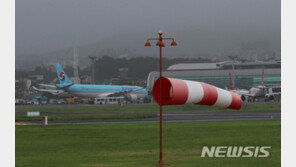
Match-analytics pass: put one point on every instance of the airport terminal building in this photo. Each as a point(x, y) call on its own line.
point(244, 76)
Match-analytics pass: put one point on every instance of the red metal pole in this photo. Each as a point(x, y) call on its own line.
point(160, 44)
point(160, 107)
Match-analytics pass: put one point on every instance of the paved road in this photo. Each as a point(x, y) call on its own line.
point(188, 116)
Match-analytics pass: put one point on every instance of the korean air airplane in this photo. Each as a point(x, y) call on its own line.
point(91, 91)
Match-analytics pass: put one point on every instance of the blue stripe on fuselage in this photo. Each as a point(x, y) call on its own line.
point(104, 88)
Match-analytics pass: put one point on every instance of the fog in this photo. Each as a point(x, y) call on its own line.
point(213, 25)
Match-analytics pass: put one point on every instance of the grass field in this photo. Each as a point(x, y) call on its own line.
point(87, 116)
point(124, 112)
point(136, 144)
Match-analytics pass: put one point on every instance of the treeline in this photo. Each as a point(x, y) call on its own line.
point(108, 68)
point(138, 67)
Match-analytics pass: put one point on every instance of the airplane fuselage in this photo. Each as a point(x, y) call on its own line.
point(95, 91)
point(257, 92)
point(240, 91)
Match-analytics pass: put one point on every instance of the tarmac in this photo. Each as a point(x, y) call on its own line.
point(79, 105)
point(181, 116)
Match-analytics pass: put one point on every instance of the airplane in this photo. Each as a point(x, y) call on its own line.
point(256, 92)
point(132, 93)
point(274, 93)
point(238, 91)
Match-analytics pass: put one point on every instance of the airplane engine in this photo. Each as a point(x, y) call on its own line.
point(243, 98)
point(178, 92)
point(132, 97)
point(271, 97)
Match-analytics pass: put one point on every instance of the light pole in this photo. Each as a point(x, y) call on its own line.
point(233, 59)
point(160, 44)
point(93, 61)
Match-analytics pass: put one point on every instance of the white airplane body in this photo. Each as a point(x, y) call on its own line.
point(258, 92)
point(92, 91)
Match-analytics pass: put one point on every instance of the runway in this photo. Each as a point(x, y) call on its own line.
point(81, 105)
point(185, 116)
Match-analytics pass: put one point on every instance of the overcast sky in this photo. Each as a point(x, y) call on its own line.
point(48, 25)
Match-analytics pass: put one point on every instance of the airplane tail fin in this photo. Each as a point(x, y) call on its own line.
point(230, 81)
point(64, 80)
point(262, 81)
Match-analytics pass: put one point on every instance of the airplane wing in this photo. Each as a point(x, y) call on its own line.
point(270, 94)
point(117, 94)
point(48, 86)
point(104, 95)
point(54, 92)
point(240, 91)
point(248, 95)
point(122, 93)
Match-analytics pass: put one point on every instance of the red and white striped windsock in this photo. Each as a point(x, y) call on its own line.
point(178, 92)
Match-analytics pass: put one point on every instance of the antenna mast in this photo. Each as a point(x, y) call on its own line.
point(75, 66)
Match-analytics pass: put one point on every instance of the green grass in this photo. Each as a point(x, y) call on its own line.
point(82, 116)
point(136, 144)
point(133, 108)
point(124, 112)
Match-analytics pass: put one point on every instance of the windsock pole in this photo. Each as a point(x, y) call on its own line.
point(160, 44)
point(160, 107)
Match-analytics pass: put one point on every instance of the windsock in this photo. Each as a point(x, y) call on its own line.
point(178, 92)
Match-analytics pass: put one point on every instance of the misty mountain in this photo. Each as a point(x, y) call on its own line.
point(192, 43)
point(46, 31)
